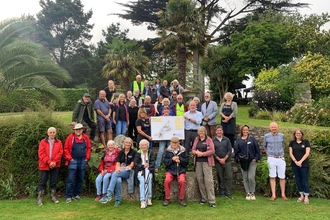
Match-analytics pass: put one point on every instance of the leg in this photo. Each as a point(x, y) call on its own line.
point(187, 140)
point(304, 179)
point(251, 177)
point(245, 181)
point(69, 182)
point(98, 184)
point(106, 181)
point(220, 173)
point(200, 181)
point(130, 130)
point(161, 149)
point(281, 165)
point(167, 185)
point(150, 186)
point(208, 182)
point(141, 185)
point(118, 128)
point(272, 176)
point(110, 136)
point(118, 189)
point(53, 178)
point(79, 180)
point(43, 179)
point(182, 185)
point(101, 124)
point(208, 130)
point(102, 139)
point(123, 127)
point(212, 128)
point(282, 185)
point(228, 177)
point(297, 174)
point(92, 125)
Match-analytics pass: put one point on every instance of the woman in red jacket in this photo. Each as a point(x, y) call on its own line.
point(49, 153)
point(106, 168)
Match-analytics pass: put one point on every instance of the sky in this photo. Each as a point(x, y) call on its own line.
point(103, 8)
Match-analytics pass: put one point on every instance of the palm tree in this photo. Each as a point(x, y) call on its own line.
point(24, 64)
point(182, 31)
point(123, 60)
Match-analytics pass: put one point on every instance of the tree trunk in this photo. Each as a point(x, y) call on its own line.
point(125, 83)
point(182, 63)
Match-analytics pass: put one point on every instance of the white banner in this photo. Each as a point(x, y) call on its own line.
point(166, 127)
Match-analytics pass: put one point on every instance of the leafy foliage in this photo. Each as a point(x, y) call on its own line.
point(270, 100)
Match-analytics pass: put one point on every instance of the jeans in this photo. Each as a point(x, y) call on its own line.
point(301, 175)
point(225, 175)
point(249, 178)
point(161, 149)
point(121, 127)
point(76, 174)
point(44, 174)
point(116, 181)
point(102, 179)
point(142, 189)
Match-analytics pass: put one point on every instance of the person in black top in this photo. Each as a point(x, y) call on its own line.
point(143, 126)
point(153, 94)
point(110, 91)
point(164, 90)
point(124, 166)
point(299, 150)
point(133, 115)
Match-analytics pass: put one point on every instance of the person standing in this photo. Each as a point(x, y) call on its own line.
point(49, 153)
point(138, 85)
point(133, 115)
point(164, 90)
point(176, 161)
point(179, 108)
point(209, 110)
point(77, 152)
point(84, 113)
point(153, 94)
point(103, 111)
point(299, 150)
point(110, 91)
point(274, 145)
point(203, 149)
point(120, 116)
point(173, 98)
point(146, 90)
point(247, 153)
point(222, 158)
point(228, 112)
point(193, 119)
point(143, 126)
point(157, 86)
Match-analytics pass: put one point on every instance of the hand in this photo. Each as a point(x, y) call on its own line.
point(178, 160)
point(114, 121)
point(104, 172)
point(199, 154)
point(175, 158)
point(298, 163)
point(149, 138)
point(52, 165)
point(222, 161)
point(118, 169)
point(73, 123)
point(254, 160)
point(186, 117)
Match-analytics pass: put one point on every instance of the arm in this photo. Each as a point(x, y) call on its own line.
point(152, 161)
point(193, 149)
point(184, 159)
point(211, 150)
point(67, 148)
point(75, 113)
point(138, 163)
point(257, 149)
point(58, 156)
point(234, 108)
point(152, 112)
point(88, 148)
point(42, 154)
point(167, 159)
point(214, 111)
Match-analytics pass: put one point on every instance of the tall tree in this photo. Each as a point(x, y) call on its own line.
point(124, 60)
point(24, 64)
point(64, 27)
point(182, 30)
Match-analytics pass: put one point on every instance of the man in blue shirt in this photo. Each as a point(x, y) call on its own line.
point(103, 111)
point(193, 119)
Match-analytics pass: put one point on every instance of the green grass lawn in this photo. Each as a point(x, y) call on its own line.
point(238, 208)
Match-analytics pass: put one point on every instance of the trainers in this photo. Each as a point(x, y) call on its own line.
point(212, 205)
point(98, 197)
point(143, 205)
point(68, 200)
point(149, 203)
point(248, 196)
point(182, 202)
point(252, 197)
point(166, 202)
point(78, 198)
point(106, 199)
point(117, 203)
point(230, 196)
point(222, 196)
point(201, 202)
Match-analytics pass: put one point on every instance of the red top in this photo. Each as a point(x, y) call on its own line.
point(44, 154)
point(68, 147)
point(109, 163)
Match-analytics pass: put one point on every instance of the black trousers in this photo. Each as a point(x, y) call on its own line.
point(131, 128)
point(52, 174)
point(93, 126)
point(189, 138)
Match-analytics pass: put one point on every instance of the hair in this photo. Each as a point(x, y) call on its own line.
point(132, 100)
point(203, 129)
point(113, 85)
point(196, 99)
point(111, 142)
point(228, 93)
point(141, 110)
point(144, 141)
point(166, 107)
point(129, 92)
point(136, 90)
point(121, 96)
point(51, 128)
point(156, 80)
point(147, 97)
point(138, 76)
point(130, 140)
point(175, 81)
point(165, 100)
point(160, 96)
point(241, 130)
point(218, 126)
point(294, 134)
point(179, 96)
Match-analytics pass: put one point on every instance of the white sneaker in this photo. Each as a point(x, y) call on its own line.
point(252, 197)
point(149, 202)
point(248, 196)
point(143, 205)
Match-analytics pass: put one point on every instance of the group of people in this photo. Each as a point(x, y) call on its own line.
point(211, 145)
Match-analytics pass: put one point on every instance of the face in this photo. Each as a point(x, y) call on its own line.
point(165, 83)
point(298, 134)
point(157, 81)
point(192, 106)
point(160, 98)
point(78, 132)
point(111, 147)
point(273, 127)
point(111, 84)
point(86, 99)
point(122, 98)
point(138, 78)
point(207, 97)
point(175, 145)
point(174, 94)
point(245, 131)
point(129, 94)
point(228, 97)
point(132, 102)
point(166, 103)
point(166, 112)
point(147, 101)
point(201, 132)
point(143, 115)
point(196, 101)
point(219, 132)
point(144, 146)
point(136, 93)
point(127, 144)
point(51, 134)
point(146, 83)
point(152, 87)
point(102, 95)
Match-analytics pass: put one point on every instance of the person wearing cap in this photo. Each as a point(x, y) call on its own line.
point(84, 113)
point(77, 152)
point(153, 94)
point(49, 153)
point(176, 161)
point(193, 119)
point(103, 111)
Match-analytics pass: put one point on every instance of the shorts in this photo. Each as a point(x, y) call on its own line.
point(104, 125)
point(276, 167)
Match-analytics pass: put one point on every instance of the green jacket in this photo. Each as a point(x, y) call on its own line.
point(78, 112)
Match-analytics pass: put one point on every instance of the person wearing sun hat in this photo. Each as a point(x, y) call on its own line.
point(77, 152)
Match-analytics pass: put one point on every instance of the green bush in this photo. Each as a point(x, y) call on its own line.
point(71, 97)
point(264, 115)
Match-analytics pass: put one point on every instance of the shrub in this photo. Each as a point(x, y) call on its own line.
point(270, 100)
point(263, 115)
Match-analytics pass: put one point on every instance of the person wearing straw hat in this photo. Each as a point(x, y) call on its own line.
point(77, 152)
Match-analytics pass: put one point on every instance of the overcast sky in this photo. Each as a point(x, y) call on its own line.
point(102, 8)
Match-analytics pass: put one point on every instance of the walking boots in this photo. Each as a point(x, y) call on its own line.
point(53, 197)
point(40, 197)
